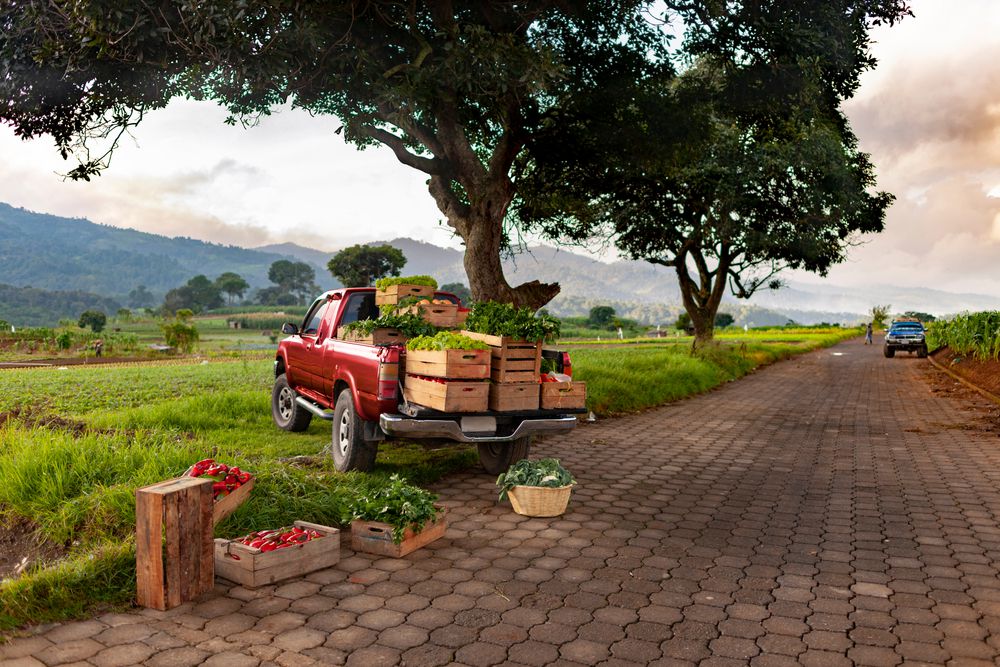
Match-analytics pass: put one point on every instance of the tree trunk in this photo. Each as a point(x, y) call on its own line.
point(701, 300)
point(704, 327)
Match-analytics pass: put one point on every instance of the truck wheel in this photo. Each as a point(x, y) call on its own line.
point(922, 352)
point(350, 449)
point(496, 457)
point(888, 352)
point(287, 414)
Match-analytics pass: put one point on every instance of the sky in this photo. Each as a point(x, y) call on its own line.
point(929, 115)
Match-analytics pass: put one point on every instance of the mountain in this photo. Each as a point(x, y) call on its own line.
point(55, 253)
point(317, 258)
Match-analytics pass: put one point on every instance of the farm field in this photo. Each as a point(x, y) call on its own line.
point(76, 443)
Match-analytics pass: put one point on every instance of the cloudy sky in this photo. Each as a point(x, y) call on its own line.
point(930, 116)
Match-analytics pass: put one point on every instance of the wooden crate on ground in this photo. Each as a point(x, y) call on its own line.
point(381, 336)
point(443, 315)
point(252, 567)
point(375, 537)
point(456, 364)
point(507, 397)
point(447, 395)
point(393, 294)
point(563, 395)
point(513, 360)
point(173, 542)
point(226, 505)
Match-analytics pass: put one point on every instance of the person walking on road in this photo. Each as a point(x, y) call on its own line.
point(868, 334)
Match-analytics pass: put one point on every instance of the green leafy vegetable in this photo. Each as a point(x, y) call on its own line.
point(503, 319)
point(398, 503)
point(410, 324)
point(445, 340)
point(427, 281)
point(543, 472)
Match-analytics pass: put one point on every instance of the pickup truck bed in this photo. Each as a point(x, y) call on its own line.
point(357, 387)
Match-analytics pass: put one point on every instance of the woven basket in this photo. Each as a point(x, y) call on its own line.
point(540, 500)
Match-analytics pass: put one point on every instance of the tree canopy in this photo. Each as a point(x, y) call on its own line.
point(198, 295)
point(232, 284)
point(94, 319)
point(361, 265)
point(297, 279)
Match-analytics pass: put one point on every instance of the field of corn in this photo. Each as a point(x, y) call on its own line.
point(974, 335)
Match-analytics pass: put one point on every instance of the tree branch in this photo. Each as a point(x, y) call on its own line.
point(430, 166)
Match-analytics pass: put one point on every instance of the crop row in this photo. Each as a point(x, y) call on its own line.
point(971, 334)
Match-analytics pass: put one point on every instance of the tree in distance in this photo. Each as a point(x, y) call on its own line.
point(601, 317)
point(723, 320)
point(233, 285)
point(94, 319)
point(459, 290)
point(297, 279)
point(140, 297)
point(684, 323)
point(880, 314)
point(361, 265)
point(198, 295)
point(917, 315)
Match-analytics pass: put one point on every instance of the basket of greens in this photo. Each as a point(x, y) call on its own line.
point(537, 488)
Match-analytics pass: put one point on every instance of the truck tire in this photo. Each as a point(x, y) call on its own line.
point(888, 352)
point(287, 414)
point(922, 352)
point(350, 449)
point(496, 457)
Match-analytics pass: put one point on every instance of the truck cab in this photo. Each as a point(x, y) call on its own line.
point(358, 386)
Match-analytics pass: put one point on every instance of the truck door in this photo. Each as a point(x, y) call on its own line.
point(356, 359)
point(303, 355)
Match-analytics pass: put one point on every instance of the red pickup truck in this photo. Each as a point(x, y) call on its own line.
point(358, 387)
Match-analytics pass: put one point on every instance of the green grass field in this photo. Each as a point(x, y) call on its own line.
point(79, 442)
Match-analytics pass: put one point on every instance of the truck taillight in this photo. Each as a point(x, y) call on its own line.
point(388, 379)
point(567, 365)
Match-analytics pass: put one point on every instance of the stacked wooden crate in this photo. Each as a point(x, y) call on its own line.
point(515, 371)
point(393, 294)
point(448, 380)
point(442, 315)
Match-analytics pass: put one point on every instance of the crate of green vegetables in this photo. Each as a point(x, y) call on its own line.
point(448, 355)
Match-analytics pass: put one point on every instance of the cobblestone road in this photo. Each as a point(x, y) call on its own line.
point(836, 509)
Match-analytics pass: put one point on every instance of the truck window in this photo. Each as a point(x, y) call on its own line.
point(360, 306)
point(314, 318)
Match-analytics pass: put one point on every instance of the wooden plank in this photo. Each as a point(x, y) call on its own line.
point(380, 336)
point(206, 568)
point(512, 377)
point(563, 395)
point(189, 513)
point(149, 549)
point(515, 365)
point(437, 314)
point(506, 397)
point(172, 566)
point(450, 396)
point(223, 507)
point(375, 537)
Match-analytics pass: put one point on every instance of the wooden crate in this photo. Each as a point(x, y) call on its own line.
point(448, 396)
point(455, 364)
point(173, 542)
point(226, 505)
point(393, 294)
point(375, 537)
point(563, 395)
point(443, 315)
point(513, 360)
point(507, 397)
point(381, 336)
point(252, 567)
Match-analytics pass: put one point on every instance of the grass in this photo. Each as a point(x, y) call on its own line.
point(85, 438)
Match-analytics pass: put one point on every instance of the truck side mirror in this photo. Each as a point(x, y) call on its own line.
point(289, 328)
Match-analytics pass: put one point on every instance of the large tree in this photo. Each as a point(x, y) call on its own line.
point(454, 89)
point(362, 265)
point(738, 168)
point(232, 284)
point(295, 278)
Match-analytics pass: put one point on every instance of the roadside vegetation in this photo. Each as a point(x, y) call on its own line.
point(975, 335)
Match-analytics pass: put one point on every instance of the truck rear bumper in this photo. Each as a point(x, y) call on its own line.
point(445, 428)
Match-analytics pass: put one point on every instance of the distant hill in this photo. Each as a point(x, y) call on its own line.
point(55, 253)
point(31, 306)
point(318, 258)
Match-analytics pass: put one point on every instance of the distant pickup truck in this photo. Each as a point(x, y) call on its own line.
point(357, 386)
point(905, 336)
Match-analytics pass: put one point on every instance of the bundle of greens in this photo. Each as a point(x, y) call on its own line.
point(503, 319)
point(543, 472)
point(410, 325)
point(398, 503)
point(427, 281)
point(445, 340)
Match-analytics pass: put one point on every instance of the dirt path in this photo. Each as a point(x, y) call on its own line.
point(838, 508)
